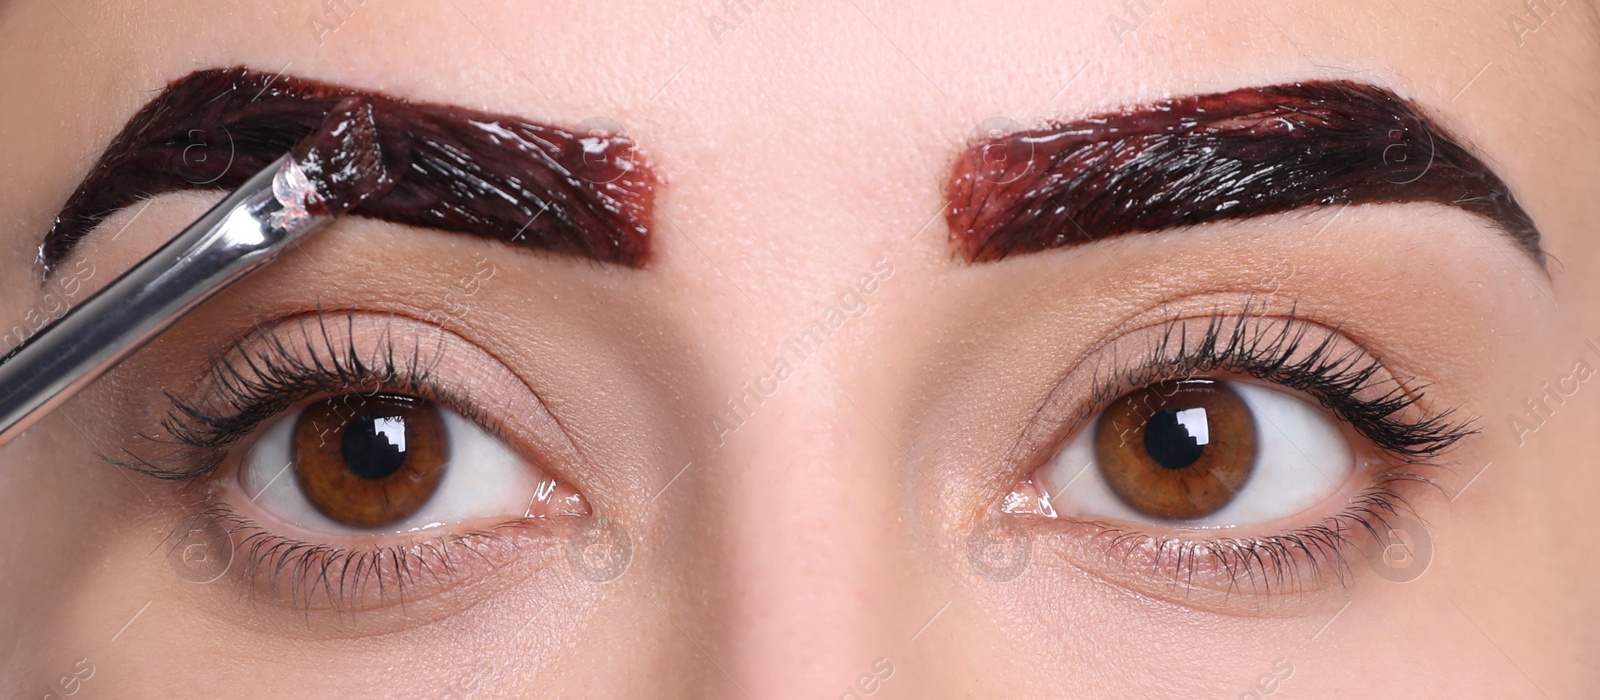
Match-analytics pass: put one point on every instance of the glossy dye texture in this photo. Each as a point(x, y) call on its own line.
point(454, 169)
point(342, 160)
point(1231, 155)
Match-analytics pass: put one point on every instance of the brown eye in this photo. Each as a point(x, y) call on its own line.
point(369, 461)
point(1178, 450)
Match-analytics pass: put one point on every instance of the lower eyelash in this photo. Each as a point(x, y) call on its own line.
point(267, 374)
point(1273, 563)
point(305, 574)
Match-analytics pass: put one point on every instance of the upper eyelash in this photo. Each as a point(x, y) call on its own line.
point(1344, 383)
point(1354, 385)
point(262, 379)
point(260, 376)
point(266, 378)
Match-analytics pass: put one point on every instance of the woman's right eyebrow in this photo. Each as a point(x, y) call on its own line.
point(488, 175)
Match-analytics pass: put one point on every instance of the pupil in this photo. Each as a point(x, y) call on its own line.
point(374, 446)
point(1176, 438)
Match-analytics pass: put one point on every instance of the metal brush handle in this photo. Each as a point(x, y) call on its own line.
point(246, 230)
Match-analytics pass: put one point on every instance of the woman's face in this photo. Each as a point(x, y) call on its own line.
point(1314, 439)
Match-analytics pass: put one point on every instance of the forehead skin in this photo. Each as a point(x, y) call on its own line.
point(797, 143)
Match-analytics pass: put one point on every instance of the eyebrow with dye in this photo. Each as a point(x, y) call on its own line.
point(1232, 155)
point(493, 176)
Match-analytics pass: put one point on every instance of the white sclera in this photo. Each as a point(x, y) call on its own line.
point(482, 479)
point(1302, 458)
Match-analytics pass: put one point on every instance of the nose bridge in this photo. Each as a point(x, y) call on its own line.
point(800, 251)
point(815, 547)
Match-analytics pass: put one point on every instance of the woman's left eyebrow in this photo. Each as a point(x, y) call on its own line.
point(1232, 155)
point(494, 176)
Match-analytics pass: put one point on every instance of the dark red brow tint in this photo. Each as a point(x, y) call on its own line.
point(457, 169)
point(1231, 155)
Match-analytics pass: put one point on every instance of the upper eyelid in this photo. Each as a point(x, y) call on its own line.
point(535, 427)
point(1068, 407)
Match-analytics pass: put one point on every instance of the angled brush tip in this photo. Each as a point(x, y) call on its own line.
point(342, 160)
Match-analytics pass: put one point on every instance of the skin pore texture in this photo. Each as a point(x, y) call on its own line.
point(819, 542)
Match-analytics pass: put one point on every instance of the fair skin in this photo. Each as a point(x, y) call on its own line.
point(830, 530)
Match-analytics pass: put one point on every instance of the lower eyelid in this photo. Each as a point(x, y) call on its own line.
point(1267, 574)
point(409, 572)
point(1256, 570)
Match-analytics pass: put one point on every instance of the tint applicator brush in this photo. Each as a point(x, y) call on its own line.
point(325, 175)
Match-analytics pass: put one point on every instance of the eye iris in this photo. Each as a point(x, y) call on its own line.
point(370, 461)
point(1179, 450)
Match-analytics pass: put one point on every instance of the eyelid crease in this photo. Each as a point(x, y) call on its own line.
point(1340, 374)
point(265, 372)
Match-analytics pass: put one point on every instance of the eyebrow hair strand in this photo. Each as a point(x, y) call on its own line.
point(493, 176)
point(1232, 155)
